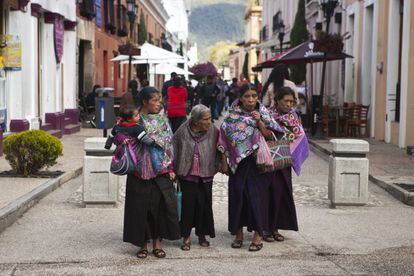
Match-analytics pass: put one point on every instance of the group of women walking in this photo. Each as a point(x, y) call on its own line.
point(260, 201)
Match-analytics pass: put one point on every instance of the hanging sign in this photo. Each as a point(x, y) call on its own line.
point(11, 53)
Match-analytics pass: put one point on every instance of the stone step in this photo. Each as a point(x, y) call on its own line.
point(46, 127)
point(67, 121)
point(72, 128)
point(55, 132)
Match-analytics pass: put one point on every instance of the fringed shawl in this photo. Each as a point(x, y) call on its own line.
point(156, 161)
point(240, 136)
point(299, 146)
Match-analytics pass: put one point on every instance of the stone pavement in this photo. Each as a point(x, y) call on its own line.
point(388, 167)
point(72, 159)
point(58, 236)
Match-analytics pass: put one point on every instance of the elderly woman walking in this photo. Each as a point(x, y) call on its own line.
point(150, 201)
point(242, 139)
point(282, 211)
point(196, 163)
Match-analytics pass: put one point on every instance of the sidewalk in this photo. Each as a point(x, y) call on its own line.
point(60, 237)
point(389, 167)
point(18, 194)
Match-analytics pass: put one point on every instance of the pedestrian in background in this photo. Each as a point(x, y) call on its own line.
point(166, 85)
point(209, 95)
point(150, 201)
point(176, 104)
point(131, 97)
point(195, 164)
point(234, 91)
point(279, 77)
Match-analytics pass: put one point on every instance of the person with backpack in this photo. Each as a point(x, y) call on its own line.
point(176, 104)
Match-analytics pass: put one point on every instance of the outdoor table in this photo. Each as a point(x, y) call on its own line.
point(337, 110)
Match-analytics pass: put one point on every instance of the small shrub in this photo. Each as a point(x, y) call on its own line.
point(30, 151)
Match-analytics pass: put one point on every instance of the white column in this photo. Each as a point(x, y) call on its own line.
point(70, 70)
point(392, 64)
point(405, 74)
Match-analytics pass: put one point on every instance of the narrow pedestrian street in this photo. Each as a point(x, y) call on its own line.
point(59, 236)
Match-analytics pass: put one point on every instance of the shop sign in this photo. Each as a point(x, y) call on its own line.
point(11, 53)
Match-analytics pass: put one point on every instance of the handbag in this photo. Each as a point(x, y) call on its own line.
point(280, 152)
point(124, 160)
point(179, 195)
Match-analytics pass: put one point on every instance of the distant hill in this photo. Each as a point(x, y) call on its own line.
point(210, 23)
point(198, 3)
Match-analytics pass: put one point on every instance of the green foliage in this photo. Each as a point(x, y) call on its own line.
point(142, 30)
point(218, 22)
point(218, 53)
point(245, 70)
point(30, 151)
point(298, 35)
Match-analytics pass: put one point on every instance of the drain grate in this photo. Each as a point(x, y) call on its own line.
point(409, 187)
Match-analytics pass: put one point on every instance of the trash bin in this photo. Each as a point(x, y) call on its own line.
point(100, 186)
point(104, 110)
point(348, 172)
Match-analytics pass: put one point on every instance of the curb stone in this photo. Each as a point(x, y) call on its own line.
point(15, 209)
point(397, 192)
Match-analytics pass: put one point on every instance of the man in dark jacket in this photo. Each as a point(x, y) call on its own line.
point(167, 84)
point(209, 94)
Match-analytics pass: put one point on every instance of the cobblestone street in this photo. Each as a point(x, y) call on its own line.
point(59, 236)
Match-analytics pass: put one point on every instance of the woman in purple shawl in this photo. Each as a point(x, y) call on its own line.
point(242, 136)
point(282, 211)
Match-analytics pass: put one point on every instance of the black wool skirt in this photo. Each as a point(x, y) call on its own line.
point(197, 209)
point(150, 210)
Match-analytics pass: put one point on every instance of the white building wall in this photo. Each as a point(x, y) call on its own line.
point(22, 86)
point(69, 59)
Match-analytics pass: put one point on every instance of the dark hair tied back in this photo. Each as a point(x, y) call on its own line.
point(246, 87)
point(146, 94)
point(284, 91)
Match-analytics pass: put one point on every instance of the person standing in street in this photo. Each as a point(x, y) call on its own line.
point(195, 164)
point(131, 97)
point(165, 87)
point(233, 92)
point(176, 104)
point(282, 211)
point(210, 92)
point(243, 134)
point(150, 200)
point(279, 77)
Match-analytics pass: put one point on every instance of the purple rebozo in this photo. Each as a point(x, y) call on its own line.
point(125, 158)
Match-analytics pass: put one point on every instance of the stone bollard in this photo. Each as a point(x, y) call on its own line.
point(348, 172)
point(100, 186)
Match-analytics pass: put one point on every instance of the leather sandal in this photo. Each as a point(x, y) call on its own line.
point(269, 238)
point(142, 253)
point(237, 244)
point(186, 246)
point(203, 242)
point(159, 253)
point(278, 237)
point(254, 247)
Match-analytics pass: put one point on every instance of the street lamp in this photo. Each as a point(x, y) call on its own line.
point(281, 35)
point(328, 8)
point(132, 11)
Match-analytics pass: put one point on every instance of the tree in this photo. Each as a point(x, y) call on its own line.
point(202, 70)
point(298, 35)
point(142, 30)
point(245, 70)
point(218, 53)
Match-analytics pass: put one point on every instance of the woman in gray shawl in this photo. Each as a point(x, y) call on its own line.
point(195, 164)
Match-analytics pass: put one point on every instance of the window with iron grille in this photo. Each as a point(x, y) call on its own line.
point(121, 20)
point(87, 9)
point(109, 16)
